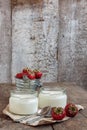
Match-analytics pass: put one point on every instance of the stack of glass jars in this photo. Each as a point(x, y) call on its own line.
point(24, 99)
point(26, 83)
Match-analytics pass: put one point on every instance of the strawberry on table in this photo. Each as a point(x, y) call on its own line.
point(71, 110)
point(58, 113)
point(19, 75)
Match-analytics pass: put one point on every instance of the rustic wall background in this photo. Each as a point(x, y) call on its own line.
point(34, 36)
point(73, 41)
point(5, 41)
point(46, 34)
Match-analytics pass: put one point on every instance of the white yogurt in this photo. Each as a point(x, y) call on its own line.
point(23, 104)
point(52, 98)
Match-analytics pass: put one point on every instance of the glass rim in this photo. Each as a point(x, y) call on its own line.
point(22, 91)
point(18, 80)
point(50, 89)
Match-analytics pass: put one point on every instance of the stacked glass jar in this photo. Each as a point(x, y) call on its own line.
point(25, 83)
point(24, 98)
point(28, 79)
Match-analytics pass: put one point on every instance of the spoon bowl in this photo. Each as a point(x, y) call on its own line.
point(44, 110)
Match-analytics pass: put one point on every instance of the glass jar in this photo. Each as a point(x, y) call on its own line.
point(25, 83)
point(52, 96)
point(23, 102)
point(38, 84)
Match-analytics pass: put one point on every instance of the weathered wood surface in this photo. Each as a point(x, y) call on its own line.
point(34, 36)
point(5, 41)
point(72, 51)
point(51, 35)
point(46, 34)
point(75, 94)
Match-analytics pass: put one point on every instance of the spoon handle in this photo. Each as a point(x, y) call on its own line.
point(24, 118)
point(30, 121)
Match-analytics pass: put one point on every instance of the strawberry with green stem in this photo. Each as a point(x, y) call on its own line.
point(71, 110)
point(58, 113)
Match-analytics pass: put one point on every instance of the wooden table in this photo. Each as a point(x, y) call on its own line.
point(75, 94)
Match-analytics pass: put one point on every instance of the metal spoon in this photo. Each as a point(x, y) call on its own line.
point(44, 112)
point(41, 112)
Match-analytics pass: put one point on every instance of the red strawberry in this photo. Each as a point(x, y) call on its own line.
point(19, 75)
point(31, 75)
point(38, 74)
point(58, 113)
point(25, 71)
point(71, 110)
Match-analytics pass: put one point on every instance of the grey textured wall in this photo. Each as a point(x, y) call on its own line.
point(5, 41)
point(73, 41)
point(46, 34)
point(34, 36)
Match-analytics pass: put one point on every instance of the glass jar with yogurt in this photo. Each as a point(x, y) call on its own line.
point(23, 102)
point(52, 96)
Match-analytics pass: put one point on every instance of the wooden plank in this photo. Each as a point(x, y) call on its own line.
point(5, 122)
point(5, 41)
point(77, 123)
point(72, 51)
point(75, 94)
point(79, 96)
point(13, 3)
point(8, 124)
point(35, 36)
